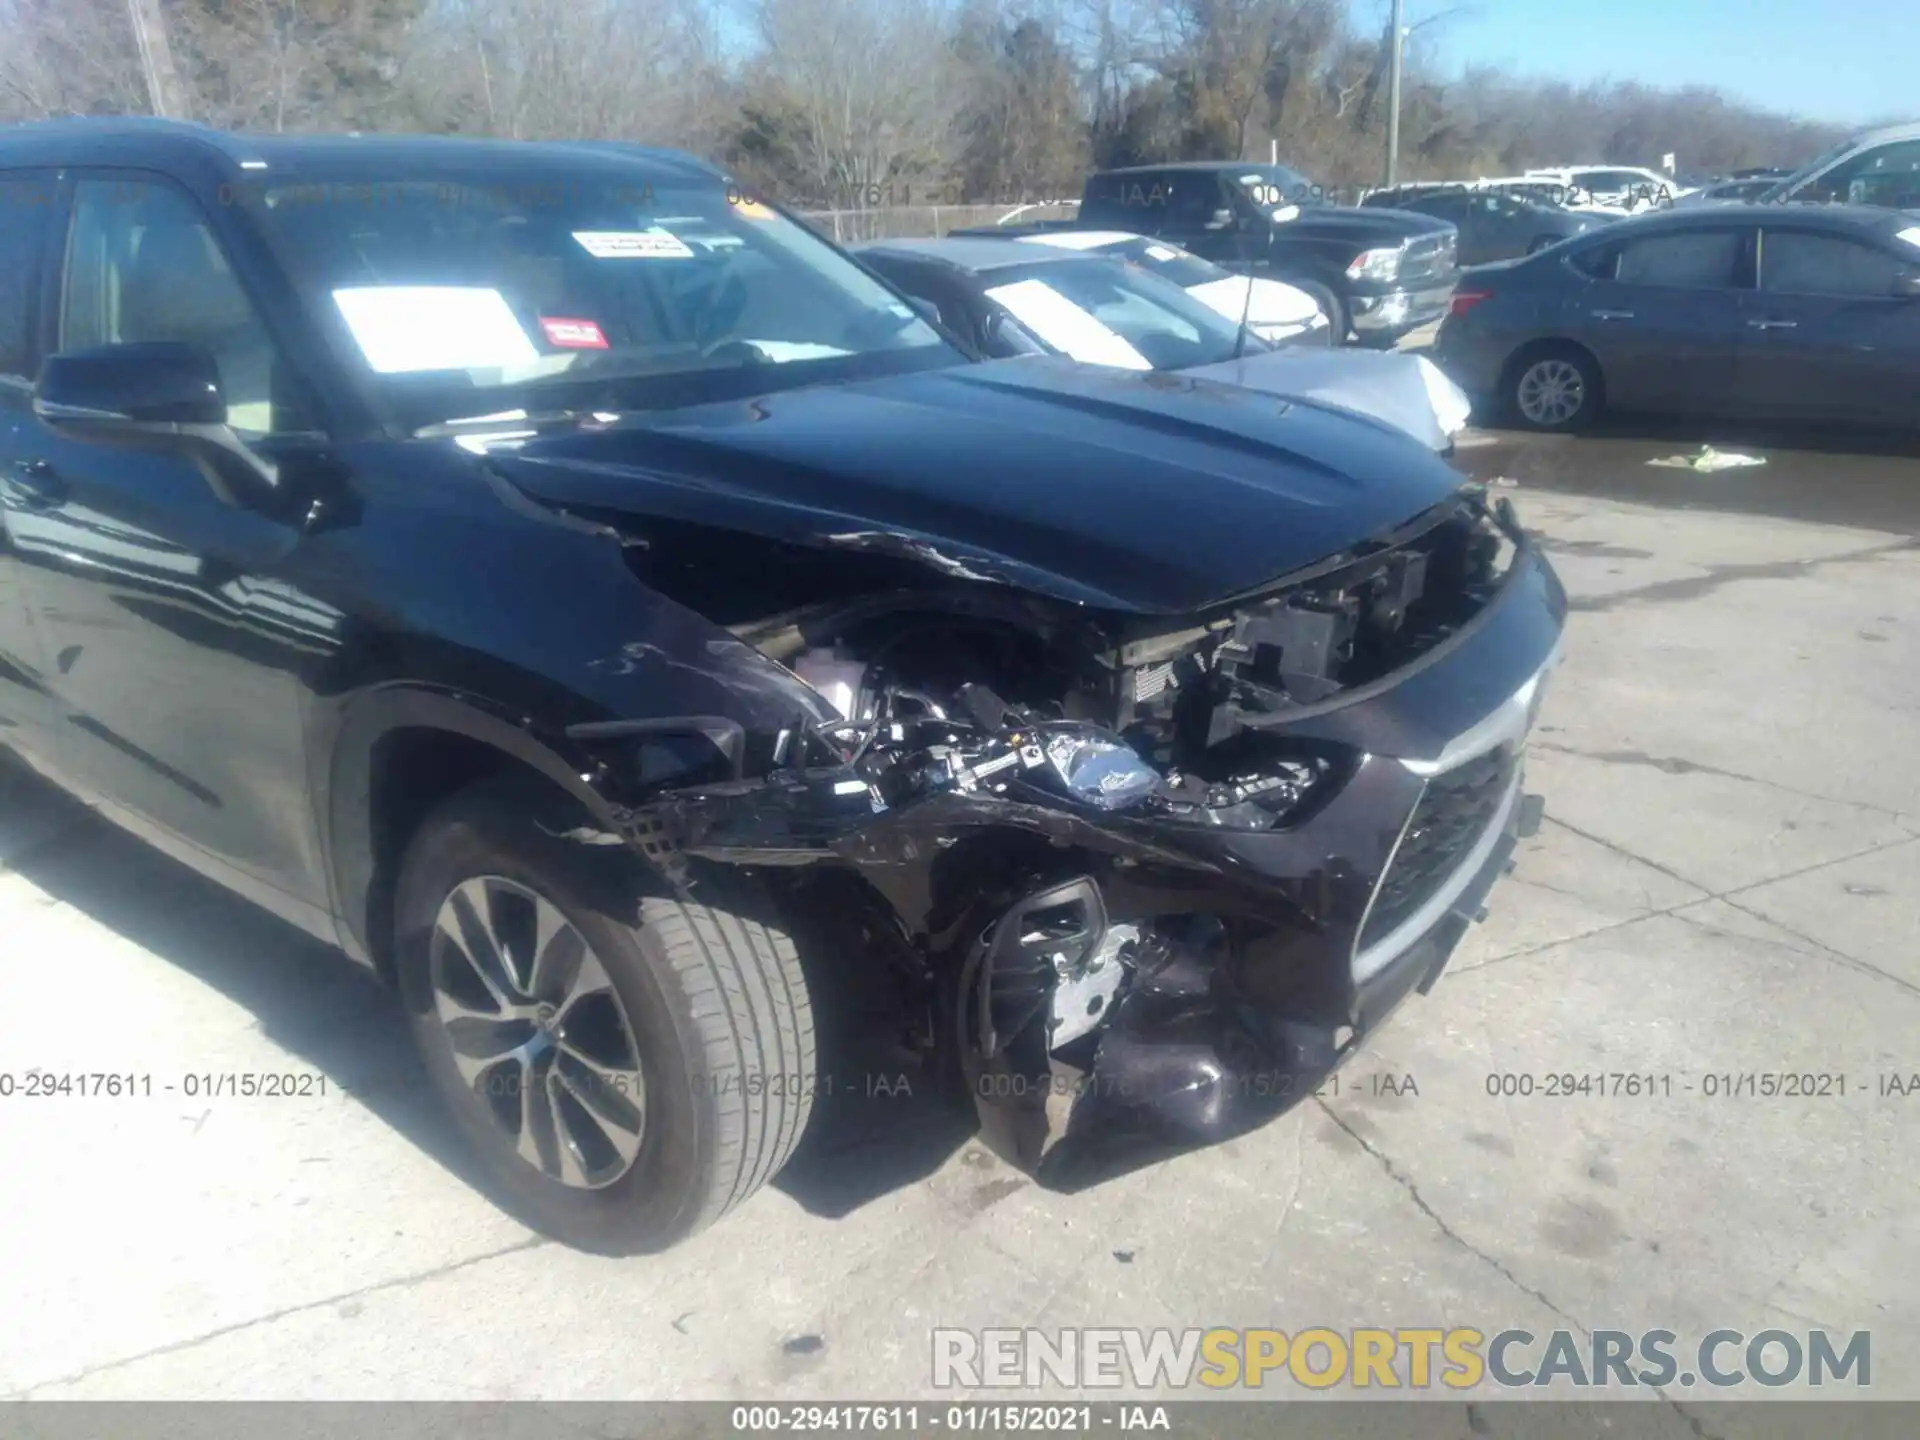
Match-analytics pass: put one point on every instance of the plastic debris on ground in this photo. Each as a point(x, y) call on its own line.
point(1709, 460)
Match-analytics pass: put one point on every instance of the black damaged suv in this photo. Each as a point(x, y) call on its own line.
point(596, 603)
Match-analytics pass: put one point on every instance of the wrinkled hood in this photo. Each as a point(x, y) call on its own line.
point(1154, 493)
point(1396, 390)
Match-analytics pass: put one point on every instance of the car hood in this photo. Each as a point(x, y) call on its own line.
point(1363, 223)
point(1271, 303)
point(1387, 387)
point(1152, 493)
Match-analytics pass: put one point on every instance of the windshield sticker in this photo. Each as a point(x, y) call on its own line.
point(1250, 179)
point(1065, 326)
point(652, 244)
point(1911, 235)
point(405, 328)
point(1161, 252)
point(1286, 213)
point(572, 334)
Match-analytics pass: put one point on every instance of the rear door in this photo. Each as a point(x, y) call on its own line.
point(26, 220)
point(1664, 313)
point(1827, 337)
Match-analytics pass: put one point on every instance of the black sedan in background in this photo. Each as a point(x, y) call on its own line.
point(1494, 224)
point(1795, 313)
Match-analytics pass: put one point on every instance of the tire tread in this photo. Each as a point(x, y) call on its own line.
point(745, 992)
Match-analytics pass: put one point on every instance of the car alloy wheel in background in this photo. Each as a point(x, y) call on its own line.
point(538, 1031)
point(1554, 392)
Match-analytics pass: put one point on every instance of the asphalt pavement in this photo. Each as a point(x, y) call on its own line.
point(1724, 887)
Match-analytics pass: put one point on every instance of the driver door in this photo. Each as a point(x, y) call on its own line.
point(179, 642)
point(1203, 218)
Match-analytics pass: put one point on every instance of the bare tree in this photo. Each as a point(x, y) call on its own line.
point(546, 69)
point(869, 91)
point(68, 57)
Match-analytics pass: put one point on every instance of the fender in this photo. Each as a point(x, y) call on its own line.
point(343, 783)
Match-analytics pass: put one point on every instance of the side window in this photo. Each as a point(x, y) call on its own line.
point(1192, 197)
point(143, 265)
point(26, 202)
point(1104, 200)
point(1448, 205)
point(1885, 175)
point(1796, 263)
point(1597, 262)
point(1686, 259)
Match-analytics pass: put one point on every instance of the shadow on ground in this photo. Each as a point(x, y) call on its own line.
point(878, 1123)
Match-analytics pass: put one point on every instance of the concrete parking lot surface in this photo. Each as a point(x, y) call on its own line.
point(1725, 886)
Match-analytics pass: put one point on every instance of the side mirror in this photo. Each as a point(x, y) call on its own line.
point(124, 391)
point(1907, 286)
point(1220, 219)
point(160, 395)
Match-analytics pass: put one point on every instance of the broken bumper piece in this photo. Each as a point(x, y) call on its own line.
point(1186, 1058)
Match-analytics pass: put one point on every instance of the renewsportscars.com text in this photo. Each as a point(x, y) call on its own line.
point(1458, 1358)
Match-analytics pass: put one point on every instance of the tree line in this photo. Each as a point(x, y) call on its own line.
point(851, 103)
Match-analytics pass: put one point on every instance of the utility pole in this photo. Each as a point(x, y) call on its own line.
point(156, 58)
point(1397, 39)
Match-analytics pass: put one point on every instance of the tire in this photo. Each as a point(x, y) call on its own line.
point(712, 1090)
point(1537, 376)
point(1330, 306)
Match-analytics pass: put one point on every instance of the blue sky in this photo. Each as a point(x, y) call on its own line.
point(1853, 61)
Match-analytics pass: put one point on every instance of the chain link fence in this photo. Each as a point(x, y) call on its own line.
point(903, 222)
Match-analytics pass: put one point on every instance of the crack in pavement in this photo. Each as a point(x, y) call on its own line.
point(1405, 1182)
point(401, 1282)
point(1425, 1207)
point(1692, 587)
point(1822, 949)
point(1839, 957)
point(1677, 765)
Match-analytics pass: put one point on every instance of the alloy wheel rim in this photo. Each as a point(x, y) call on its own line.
point(1551, 392)
point(538, 1032)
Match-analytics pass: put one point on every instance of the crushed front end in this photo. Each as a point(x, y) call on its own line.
point(1149, 882)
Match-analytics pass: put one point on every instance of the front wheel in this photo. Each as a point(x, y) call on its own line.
point(1554, 390)
point(626, 1069)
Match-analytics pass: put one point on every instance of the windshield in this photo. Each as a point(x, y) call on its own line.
point(462, 293)
point(1174, 266)
point(1105, 312)
point(1780, 188)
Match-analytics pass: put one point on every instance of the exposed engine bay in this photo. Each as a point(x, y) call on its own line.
point(1122, 870)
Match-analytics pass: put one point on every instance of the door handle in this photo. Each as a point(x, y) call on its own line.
point(37, 485)
point(1611, 314)
point(1773, 324)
